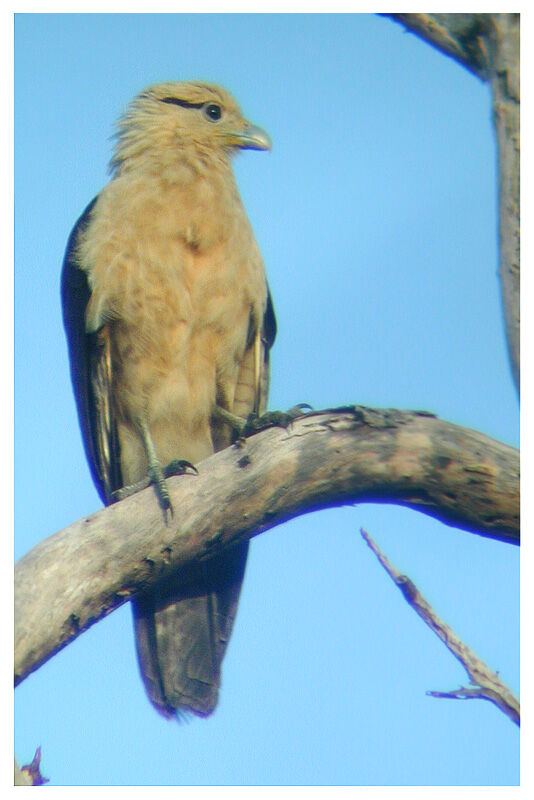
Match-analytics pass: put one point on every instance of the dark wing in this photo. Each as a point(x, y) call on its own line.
point(90, 369)
point(252, 386)
point(269, 321)
point(268, 335)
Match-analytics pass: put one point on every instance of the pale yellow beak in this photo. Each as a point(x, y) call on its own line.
point(251, 138)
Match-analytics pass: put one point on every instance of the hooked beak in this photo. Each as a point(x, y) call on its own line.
point(251, 138)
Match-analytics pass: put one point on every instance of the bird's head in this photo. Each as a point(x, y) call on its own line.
point(195, 121)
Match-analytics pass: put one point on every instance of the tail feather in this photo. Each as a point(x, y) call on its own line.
point(182, 634)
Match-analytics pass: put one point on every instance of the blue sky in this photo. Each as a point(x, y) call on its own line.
point(376, 217)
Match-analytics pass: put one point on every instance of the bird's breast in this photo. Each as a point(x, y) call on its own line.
point(178, 289)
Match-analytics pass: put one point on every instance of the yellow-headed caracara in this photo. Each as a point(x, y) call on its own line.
point(169, 319)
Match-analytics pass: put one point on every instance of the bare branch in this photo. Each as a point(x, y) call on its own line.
point(455, 35)
point(503, 56)
point(325, 459)
point(488, 46)
point(485, 684)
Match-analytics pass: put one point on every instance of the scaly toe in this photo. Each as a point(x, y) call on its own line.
point(271, 419)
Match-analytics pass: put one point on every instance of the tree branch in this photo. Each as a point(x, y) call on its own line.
point(324, 459)
point(485, 684)
point(503, 57)
point(454, 35)
point(488, 46)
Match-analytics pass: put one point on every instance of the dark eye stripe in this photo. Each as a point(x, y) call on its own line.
point(175, 101)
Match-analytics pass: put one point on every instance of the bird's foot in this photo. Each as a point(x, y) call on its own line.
point(156, 476)
point(259, 422)
point(270, 419)
point(157, 479)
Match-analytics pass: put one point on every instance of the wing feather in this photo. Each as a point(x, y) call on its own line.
point(252, 386)
point(90, 369)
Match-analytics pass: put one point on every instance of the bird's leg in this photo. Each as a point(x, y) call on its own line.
point(155, 470)
point(235, 422)
point(156, 473)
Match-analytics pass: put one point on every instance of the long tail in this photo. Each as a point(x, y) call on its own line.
point(182, 634)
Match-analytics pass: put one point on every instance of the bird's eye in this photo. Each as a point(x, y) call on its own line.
point(213, 112)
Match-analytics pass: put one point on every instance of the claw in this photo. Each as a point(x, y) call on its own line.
point(178, 467)
point(156, 476)
point(296, 411)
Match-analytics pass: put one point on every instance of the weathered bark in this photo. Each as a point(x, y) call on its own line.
point(21, 778)
point(329, 458)
point(488, 45)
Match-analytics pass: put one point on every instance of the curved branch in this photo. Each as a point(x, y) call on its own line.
point(488, 46)
point(325, 459)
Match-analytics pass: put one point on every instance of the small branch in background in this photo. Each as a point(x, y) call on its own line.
point(30, 774)
point(485, 684)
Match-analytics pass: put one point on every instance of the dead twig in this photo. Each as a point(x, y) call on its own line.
point(484, 684)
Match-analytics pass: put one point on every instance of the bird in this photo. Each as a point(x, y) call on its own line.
point(169, 324)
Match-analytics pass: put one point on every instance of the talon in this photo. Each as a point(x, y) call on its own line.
point(299, 408)
point(178, 467)
point(156, 477)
